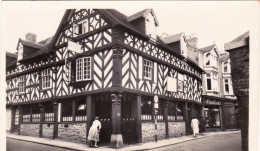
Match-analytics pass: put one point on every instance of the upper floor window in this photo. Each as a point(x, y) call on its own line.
point(83, 69)
point(180, 82)
point(46, 77)
point(212, 81)
point(228, 87)
point(211, 60)
point(226, 67)
point(148, 66)
point(80, 28)
point(21, 84)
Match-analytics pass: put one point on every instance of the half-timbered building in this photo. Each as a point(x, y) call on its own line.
point(103, 63)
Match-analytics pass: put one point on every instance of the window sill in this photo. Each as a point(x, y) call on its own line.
point(80, 83)
point(46, 89)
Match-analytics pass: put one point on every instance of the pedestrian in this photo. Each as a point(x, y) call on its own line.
point(94, 130)
point(195, 126)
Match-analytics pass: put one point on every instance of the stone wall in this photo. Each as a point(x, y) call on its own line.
point(148, 131)
point(176, 129)
point(47, 130)
point(72, 132)
point(30, 129)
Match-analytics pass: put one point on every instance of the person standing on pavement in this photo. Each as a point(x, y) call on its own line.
point(94, 130)
point(195, 126)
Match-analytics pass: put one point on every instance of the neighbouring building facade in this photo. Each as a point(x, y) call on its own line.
point(103, 63)
point(219, 102)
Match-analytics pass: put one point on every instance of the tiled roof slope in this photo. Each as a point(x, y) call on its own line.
point(243, 36)
point(138, 15)
point(208, 48)
point(172, 38)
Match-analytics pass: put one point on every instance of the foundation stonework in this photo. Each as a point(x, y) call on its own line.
point(72, 132)
point(47, 130)
point(30, 129)
point(176, 129)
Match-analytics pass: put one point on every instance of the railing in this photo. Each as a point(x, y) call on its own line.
point(146, 117)
point(171, 117)
point(49, 117)
point(67, 118)
point(179, 117)
point(36, 117)
point(26, 118)
point(81, 118)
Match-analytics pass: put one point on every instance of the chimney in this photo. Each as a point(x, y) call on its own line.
point(31, 37)
point(192, 40)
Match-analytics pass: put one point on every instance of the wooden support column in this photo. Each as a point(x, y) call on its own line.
point(116, 137)
point(73, 110)
point(221, 118)
point(12, 119)
point(90, 113)
point(186, 116)
point(55, 127)
point(30, 114)
point(166, 105)
point(20, 119)
point(192, 110)
point(41, 118)
point(137, 115)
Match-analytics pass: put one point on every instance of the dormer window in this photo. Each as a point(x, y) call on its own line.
point(80, 28)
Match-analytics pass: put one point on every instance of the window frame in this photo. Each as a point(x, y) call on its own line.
point(229, 83)
point(82, 67)
point(146, 66)
point(180, 82)
point(21, 84)
point(84, 27)
point(46, 78)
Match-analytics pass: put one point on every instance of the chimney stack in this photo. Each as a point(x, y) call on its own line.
point(192, 40)
point(31, 37)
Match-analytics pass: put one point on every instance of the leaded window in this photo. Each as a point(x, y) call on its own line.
point(21, 84)
point(46, 78)
point(148, 66)
point(83, 69)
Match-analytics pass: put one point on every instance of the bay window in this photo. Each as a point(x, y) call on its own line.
point(228, 87)
point(212, 81)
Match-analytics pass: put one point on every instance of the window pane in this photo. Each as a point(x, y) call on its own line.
point(80, 29)
point(209, 84)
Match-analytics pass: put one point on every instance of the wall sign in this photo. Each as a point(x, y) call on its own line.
point(75, 47)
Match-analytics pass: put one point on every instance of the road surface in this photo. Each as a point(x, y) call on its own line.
point(227, 142)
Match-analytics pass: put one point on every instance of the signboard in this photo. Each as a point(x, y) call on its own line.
point(212, 102)
point(171, 84)
point(75, 47)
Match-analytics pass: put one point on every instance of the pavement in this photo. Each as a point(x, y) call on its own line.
point(141, 146)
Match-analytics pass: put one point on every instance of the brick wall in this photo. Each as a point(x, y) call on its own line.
point(47, 130)
point(176, 129)
point(74, 132)
point(240, 77)
point(30, 129)
point(148, 131)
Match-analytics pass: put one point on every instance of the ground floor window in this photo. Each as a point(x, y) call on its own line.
point(180, 111)
point(48, 112)
point(16, 120)
point(212, 117)
point(80, 111)
point(66, 109)
point(146, 109)
point(160, 110)
point(26, 114)
point(35, 113)
point(171, 111)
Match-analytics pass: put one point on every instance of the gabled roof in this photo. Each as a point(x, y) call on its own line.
point(172, 38)
point(143, 14)
point(240, 41)
point(207, 48)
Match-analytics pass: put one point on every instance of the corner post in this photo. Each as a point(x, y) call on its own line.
point(41, 118)
point(138, 118)
point(55, 127)
point(186, 116)
point(166, 105)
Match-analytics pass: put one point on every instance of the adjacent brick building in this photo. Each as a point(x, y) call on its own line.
point(239, 55)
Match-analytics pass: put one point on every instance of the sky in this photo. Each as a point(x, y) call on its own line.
point(215, 22)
